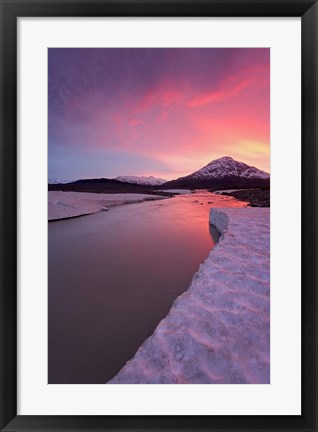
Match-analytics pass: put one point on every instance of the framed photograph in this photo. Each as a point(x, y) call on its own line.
point(158, 215)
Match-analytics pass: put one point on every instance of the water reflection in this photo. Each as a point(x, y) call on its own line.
point(114, 275)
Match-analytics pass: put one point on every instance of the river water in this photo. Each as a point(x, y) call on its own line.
point(114, 275)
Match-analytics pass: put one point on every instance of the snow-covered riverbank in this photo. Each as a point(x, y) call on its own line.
point(63, 205)
point(218, 330)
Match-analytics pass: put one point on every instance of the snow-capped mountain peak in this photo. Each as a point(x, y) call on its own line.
point(153, 181)
point(227, 166)
point(223, 173)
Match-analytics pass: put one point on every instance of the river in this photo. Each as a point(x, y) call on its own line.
point(114, 275)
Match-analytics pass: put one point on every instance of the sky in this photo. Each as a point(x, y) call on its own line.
point(151, 111)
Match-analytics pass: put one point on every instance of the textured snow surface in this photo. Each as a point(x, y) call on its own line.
point(226, 166)
point(218, 330)
point(62, 205)
point(142, 180)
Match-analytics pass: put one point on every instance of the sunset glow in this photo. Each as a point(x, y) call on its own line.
point(161, 112)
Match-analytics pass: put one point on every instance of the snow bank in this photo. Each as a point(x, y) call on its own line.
point(218, 330)
point(62, 205)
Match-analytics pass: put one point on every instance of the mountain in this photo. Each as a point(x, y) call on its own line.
point(95, 185)
point(223, 173)
point(101, 180)
point(103, 185)
point(58, 181)
point(153, 181)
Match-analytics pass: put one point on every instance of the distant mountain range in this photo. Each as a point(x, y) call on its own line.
point(58, 181)
point(154, 181)
point(222, 173)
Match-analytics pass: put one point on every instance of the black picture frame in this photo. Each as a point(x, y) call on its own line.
point(10, 11)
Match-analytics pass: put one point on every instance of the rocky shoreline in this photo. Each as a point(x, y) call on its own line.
point(254, 197)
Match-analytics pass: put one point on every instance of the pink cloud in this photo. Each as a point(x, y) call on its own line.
point(162, 122)
point(253, 77)
point(133, 122)
point(220, 95)
point(162, 95)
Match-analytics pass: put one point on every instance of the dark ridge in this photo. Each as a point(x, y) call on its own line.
point(107, 186)
point(98, 180)
point(228, 182)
